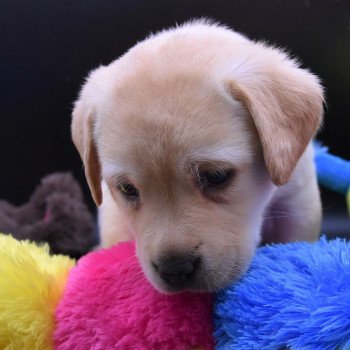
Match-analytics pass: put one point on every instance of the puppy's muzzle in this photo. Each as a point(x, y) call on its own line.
point(177, 271)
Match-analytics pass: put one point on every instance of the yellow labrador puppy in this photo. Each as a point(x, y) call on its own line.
point(196, 142)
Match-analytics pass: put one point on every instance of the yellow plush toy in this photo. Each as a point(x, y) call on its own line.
point(32, 283)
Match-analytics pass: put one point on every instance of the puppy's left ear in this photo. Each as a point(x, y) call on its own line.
point(286, 104)
point(83, 127)
point(82, 135)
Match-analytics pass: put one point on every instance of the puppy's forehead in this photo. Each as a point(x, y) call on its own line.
point(157, 123)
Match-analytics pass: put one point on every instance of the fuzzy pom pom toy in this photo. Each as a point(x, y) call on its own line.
point(294, 296)
point(31, 285)
point(109, 304)
point(105, 303)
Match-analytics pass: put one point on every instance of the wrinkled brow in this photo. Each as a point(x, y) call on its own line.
point(118, 172)
point(233, 155)
point(218, 156)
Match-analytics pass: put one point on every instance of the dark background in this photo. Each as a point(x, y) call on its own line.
point(47, 48)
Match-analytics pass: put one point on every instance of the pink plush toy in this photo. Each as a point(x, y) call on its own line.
point(109, 304)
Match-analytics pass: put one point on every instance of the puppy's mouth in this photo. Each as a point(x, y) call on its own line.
point(176, 273)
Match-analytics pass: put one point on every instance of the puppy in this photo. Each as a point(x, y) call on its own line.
point(196, 143)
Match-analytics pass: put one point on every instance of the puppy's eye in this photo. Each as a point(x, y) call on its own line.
point(215, 178)
point(129, 191)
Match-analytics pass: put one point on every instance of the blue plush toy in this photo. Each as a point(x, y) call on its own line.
point(295, 296)
point(333, 172)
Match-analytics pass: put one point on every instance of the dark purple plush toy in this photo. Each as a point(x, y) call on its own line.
point(56, 214)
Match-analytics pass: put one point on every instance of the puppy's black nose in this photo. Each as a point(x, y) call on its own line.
point(177, 270)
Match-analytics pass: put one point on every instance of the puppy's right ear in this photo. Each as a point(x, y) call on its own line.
point(285, 103)
point(82, 134)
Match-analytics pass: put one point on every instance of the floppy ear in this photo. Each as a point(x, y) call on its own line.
point(286, 105)
point(82, 134)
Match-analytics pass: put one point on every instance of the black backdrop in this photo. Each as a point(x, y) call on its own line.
point(48, 46)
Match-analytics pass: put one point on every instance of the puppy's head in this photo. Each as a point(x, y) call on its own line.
point(191, 141)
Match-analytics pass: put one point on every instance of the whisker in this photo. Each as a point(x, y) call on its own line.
point(282, 216)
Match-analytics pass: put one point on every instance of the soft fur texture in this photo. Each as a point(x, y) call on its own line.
point(197, 99)
point(294, 296)
point(31, 285)
point(56, 214)
point(109, 304)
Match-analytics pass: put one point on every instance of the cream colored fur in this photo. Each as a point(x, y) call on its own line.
point(201, 95)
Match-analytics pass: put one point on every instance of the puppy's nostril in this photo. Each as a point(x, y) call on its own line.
point(155, 266)
point(196, 262)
